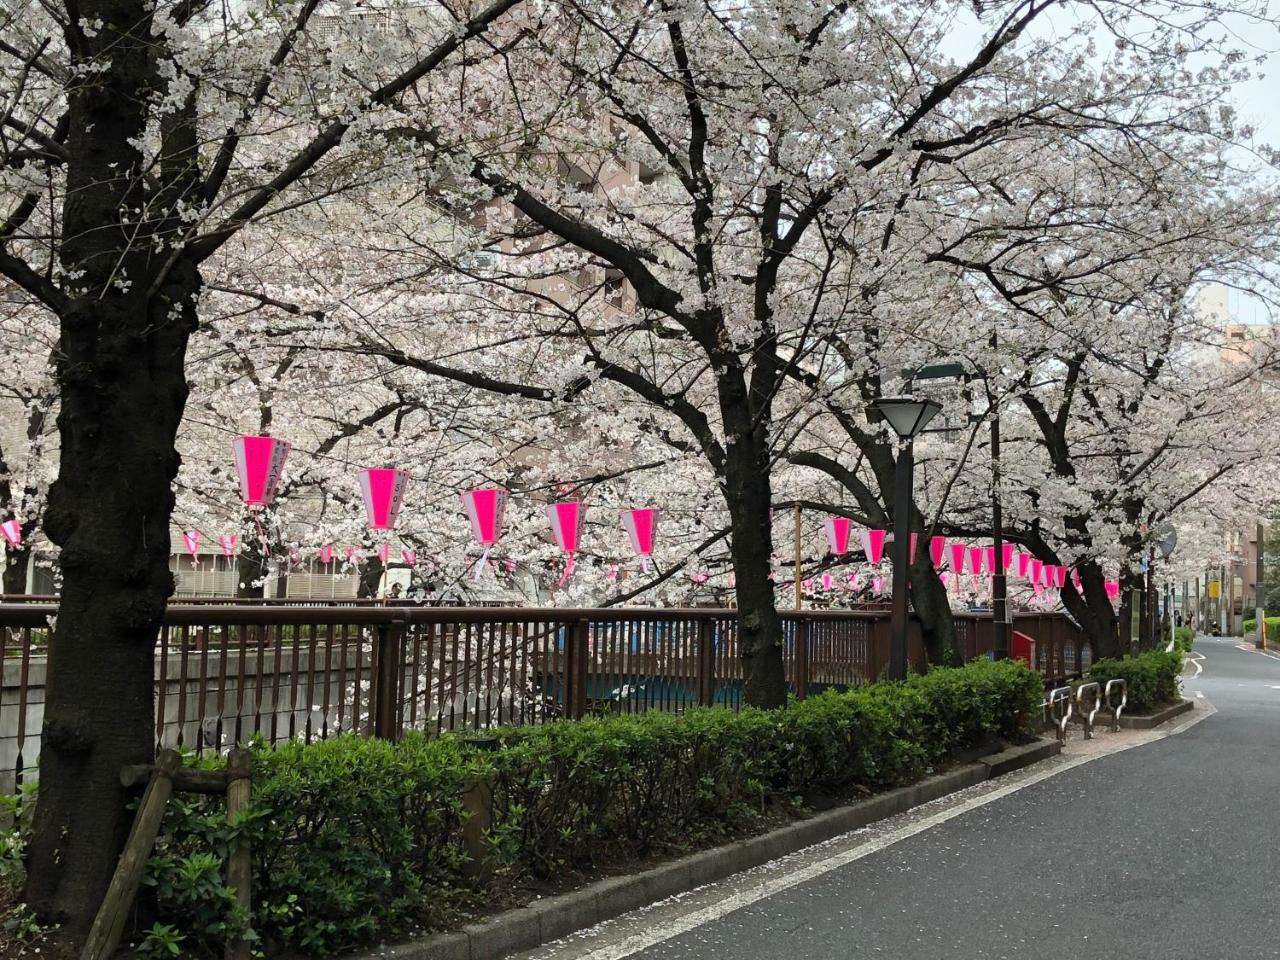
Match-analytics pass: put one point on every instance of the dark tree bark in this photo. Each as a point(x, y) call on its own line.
point(15, 570)
point(748, 496)
point(370, 575)
point(124, 326)
point(1093, 610)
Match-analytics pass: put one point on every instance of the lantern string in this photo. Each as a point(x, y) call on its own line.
point(479, 568)
point(568, 569)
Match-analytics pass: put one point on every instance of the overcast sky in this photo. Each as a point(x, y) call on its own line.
point(1257, 100)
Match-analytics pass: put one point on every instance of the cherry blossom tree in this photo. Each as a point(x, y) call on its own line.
point(140, 140)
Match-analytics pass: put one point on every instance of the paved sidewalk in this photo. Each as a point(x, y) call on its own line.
point(1139, 844)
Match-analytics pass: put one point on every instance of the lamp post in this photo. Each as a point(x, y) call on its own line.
point(1260, 590)
point(908, 416)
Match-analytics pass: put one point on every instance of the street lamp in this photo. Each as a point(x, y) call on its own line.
point(908, 416)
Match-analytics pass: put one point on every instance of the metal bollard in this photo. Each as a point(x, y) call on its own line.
point(1114, 707)
point(1096, 692)
point(1060, 695)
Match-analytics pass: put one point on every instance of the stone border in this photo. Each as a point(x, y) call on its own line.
point(1163, 715)
point(526, 928)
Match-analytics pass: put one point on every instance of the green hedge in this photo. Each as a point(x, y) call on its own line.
point(357, 842)
point(1273, 625)
point(1152, 678)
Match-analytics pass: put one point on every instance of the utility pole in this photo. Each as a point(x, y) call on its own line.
point(799, 589)
point(1260, 590)
point(1222, 608)
point(999, 591)
point(1199, 604)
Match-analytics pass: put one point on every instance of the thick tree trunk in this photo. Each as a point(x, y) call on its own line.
point(128, 309)
point(1093, 610)
point(15, 570)
point(370, 577)
point(251, 568)
point(109, 511)
point(748, 494)
point(932, 608)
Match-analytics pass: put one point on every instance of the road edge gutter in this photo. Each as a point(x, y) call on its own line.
point(548, 919)
point(1150, 722)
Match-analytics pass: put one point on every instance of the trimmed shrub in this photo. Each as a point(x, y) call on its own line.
point(357, 841)
point(1273, 625)
point(1151, 678)
point(1183, 638)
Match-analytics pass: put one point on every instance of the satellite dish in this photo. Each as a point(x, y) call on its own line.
point(1166, 539)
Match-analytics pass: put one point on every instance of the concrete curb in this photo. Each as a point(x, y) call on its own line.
point(1163, 715)
point(525, 928)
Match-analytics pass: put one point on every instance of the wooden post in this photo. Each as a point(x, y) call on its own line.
point(802, 658)
point(799, 589)
point(576, 669)
point(239, 866)
point(108, 925)
point(477, 806)
point(706, 663)
point(386, 691)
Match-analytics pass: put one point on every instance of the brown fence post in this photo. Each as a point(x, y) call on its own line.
point(386, 685)
point(239, 866)
point(575, 669)
point(802, 657)
point(706, 663)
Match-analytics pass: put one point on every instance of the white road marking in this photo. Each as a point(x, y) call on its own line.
point(662, 931)
point(1195, 663)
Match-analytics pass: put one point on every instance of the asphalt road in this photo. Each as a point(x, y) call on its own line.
point(1168, 850)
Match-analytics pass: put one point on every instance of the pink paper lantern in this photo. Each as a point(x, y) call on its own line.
point(566, 519)
point(1059, 576)
point(409, 556)
point(641, 524)
point(1036, 567)
point(957, 558)
point(1075, 579)
point(1006, 554)
point(837, 530)
point(852, 581)
point(912, 542)
point(989, 558)
point(1113, 588)
point(12, 530)
point(873, 544)
point(1024, 562)
point(937, 546)
point(975, 560)
point(191, 540)
point(877, 585)
point(259, 464)
point(485, 507)
point(227, 542)
point(383, 491)
point(826, 581)
point(325, 553)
